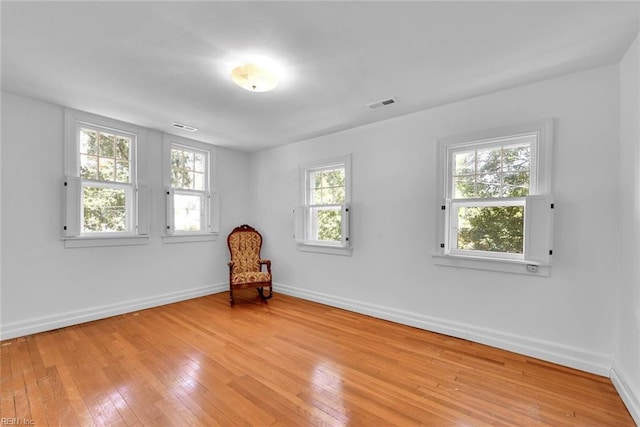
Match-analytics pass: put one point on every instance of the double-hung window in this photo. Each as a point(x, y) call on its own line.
point(104, 202)
point(496, 203)
point(191, 203)
point(322, 222)
point(107, 171)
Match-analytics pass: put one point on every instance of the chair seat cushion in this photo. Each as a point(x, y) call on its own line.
point(250, 277)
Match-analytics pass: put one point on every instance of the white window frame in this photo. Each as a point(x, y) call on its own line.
point(211, 213)
point(137, 209)
point(303, 214)
point(538, 205)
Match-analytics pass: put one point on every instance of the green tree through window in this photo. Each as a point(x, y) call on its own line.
point(105, 171)
point(491, 173)
point(327, 194)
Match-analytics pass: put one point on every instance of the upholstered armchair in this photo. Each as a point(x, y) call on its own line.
point(245, 267)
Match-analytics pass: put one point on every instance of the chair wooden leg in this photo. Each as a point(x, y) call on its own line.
point(261, 292)
point(231, 300)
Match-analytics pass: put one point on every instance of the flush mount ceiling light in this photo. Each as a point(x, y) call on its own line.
point(254, 78)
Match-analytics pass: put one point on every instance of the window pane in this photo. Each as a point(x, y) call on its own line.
point(327, 186)
point(88, 141)
point(200, 162)
point(176, 179)
point(188, 210)
point(488, 185)
point(315, 179)
point(493, 228)
point(337, 195)
point(489, 160)
point(516, 184)
point(464, 187)
point(188, 160)
point(188, 170)
point(177, 159)
point(104, 209)
point(516, 158)
point(465, 163)
point(198, 181)
point(88, 167)
point(122, 171)
point(326, 224)
point(333, 178)
point(316, 197)
point(122, 148)
point(106, 169)
point(106, 144)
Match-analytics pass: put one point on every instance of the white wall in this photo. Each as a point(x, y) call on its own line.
point(627, 365)
point(578, 316)
point(568, 317)
point(44, 285)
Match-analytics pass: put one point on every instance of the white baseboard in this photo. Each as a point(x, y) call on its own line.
point(47, 323)
point(630, 397)
point(577, 358)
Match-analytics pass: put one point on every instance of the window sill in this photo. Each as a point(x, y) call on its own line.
point(101, 241)
point(189, 238)
point(528, 268)
point(325, 249)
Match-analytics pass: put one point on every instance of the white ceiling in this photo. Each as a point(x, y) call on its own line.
point(153, 63)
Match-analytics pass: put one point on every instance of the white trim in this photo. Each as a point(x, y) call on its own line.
point(136, 207)
point(189, 238)
point(47, 323)
point(302, 217)
point(544, 129)
point(212, 198)
point(143, 225)
point(72, 197)
point(630, 397)
point(540, 184)
point(325, 249)
point(100, 240)
point(573, 357)
point(71, 120)
point(517, 266)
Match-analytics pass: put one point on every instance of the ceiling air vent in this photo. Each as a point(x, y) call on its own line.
point(383, 103)
point(184, 127)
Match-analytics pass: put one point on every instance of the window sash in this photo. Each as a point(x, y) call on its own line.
point(529, 138)
point(304, 232)
point(314, 223)
point(203, 211)
point(132, 137)
point(129, 209)
point(452, 226)
point(204, 173)
point(209, 202)
point(137, 196)
point(323, 196)
point(538, 209)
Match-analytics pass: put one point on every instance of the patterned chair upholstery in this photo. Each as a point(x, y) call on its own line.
point(245, 267)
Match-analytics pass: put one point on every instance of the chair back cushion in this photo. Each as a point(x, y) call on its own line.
point(244, 245)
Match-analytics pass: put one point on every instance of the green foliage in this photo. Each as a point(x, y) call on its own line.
point(104, 156)
point(496, 229)
point(104, 209)
point(187, 169)
point(328, 188)
point(492, 173)
point(330, 225)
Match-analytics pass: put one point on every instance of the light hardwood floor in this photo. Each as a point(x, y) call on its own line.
point(286, 363)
